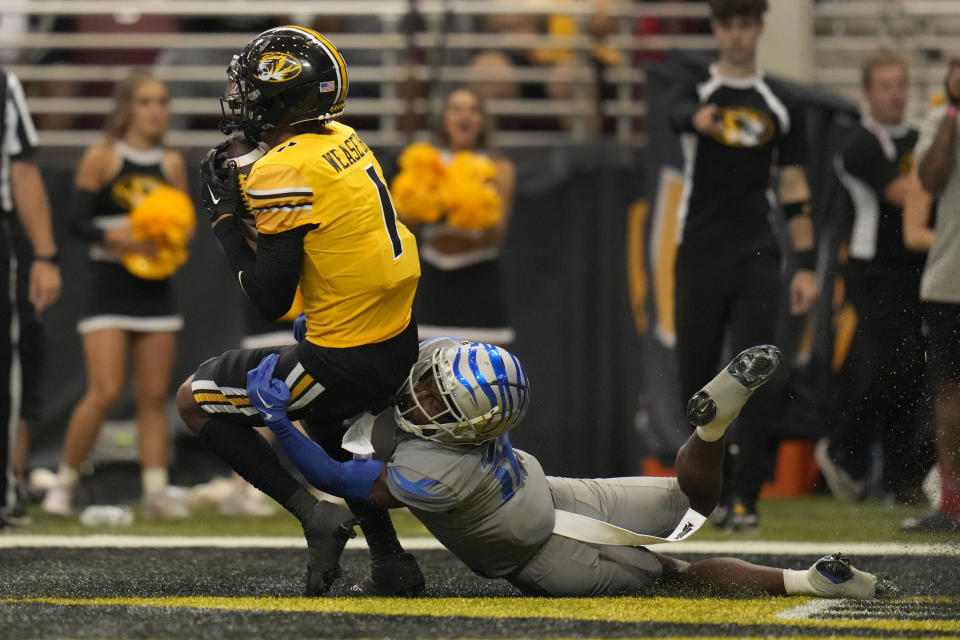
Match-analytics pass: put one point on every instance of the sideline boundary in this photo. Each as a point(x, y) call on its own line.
point(718, 547)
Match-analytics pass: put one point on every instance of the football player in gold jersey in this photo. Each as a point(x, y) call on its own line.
point(325, 222)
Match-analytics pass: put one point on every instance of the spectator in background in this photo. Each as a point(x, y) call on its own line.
point(877, 392)
point(557, 64)
point(738, 128)
point(126, 315)
point(22, 194)
point(461, 285)
point(938, 171)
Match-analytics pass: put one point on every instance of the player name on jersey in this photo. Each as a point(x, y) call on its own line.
point(347, 154)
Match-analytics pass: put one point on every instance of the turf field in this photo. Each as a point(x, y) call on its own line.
point(217, 577)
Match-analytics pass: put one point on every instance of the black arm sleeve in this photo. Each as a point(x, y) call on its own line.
point(270, 276)
point(81, 218)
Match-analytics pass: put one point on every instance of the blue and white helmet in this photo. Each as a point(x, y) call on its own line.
point(481, 391)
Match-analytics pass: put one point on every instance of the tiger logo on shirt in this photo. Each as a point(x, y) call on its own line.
point(744, 127)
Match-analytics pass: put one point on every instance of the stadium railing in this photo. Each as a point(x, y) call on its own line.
point(416, 67)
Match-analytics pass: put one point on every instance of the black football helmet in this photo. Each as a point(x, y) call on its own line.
point(283, 76)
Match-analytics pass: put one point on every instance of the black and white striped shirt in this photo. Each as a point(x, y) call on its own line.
point(18, 137)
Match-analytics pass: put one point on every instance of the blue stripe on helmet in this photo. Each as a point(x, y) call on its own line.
point(460, 378)
point(475, 370)
point(503, 383)
point(522, 384)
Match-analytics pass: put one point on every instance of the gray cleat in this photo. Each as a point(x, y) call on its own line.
point(724, 396)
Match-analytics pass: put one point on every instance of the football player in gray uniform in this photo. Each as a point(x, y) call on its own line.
point(497, 511)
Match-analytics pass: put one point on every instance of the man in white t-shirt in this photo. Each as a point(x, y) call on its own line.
point(939, 172)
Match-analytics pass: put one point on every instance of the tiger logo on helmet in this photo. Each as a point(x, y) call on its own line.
point(286, 75)
point(462, 392)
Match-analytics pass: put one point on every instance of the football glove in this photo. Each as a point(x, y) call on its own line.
point(268, 395)
point(220, 185)
point(300, 327)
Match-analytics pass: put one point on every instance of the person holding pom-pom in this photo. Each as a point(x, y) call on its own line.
point(130, 206)
point(458, 199)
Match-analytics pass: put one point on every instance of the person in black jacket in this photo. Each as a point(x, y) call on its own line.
point(877, 387)
point(738, 128)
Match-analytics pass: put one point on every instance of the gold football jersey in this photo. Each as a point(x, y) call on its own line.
point(360, 266)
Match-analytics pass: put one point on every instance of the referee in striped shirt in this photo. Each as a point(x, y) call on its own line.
point(22, 194)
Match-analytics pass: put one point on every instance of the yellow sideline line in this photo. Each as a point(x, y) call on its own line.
point(763, 611)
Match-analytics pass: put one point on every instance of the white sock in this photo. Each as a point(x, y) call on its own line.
point(155, 480)
point(797, 583)
point(67, 476)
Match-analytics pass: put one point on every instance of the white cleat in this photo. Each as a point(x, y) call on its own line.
point(835, 577)
point(714, 407)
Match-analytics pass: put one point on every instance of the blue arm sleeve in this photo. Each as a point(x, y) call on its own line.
point(351, 480)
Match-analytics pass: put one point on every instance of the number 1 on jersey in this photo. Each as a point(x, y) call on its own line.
point(389, 215)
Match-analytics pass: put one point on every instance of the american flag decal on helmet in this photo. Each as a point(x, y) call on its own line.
point(326, 87)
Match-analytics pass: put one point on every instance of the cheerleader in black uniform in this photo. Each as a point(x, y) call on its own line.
point(125, 316)
point(461, 291)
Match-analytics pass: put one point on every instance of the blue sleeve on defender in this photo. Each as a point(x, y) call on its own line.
point(351, 480)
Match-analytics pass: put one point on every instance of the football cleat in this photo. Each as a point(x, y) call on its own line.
point(743, 518)
point(396, 575)
point(933, 521)
point(18, 514)
point(834, 576)
point(327, 531)
point(715, 406)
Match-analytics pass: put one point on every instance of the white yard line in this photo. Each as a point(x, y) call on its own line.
point(808, 610)
point(721, 547)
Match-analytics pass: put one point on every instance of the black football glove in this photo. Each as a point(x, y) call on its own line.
point(220, 185)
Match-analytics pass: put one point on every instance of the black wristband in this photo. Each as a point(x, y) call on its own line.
point(806, 259)
point(794, 209)
point(53, 258)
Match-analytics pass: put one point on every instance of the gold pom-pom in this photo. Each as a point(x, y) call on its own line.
point(416, 188)
point(423, 159)
point(416, 200)
point(424, 190)
point(166, 218)
point(471, 166)
point(472, 204)
point(470, 198)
